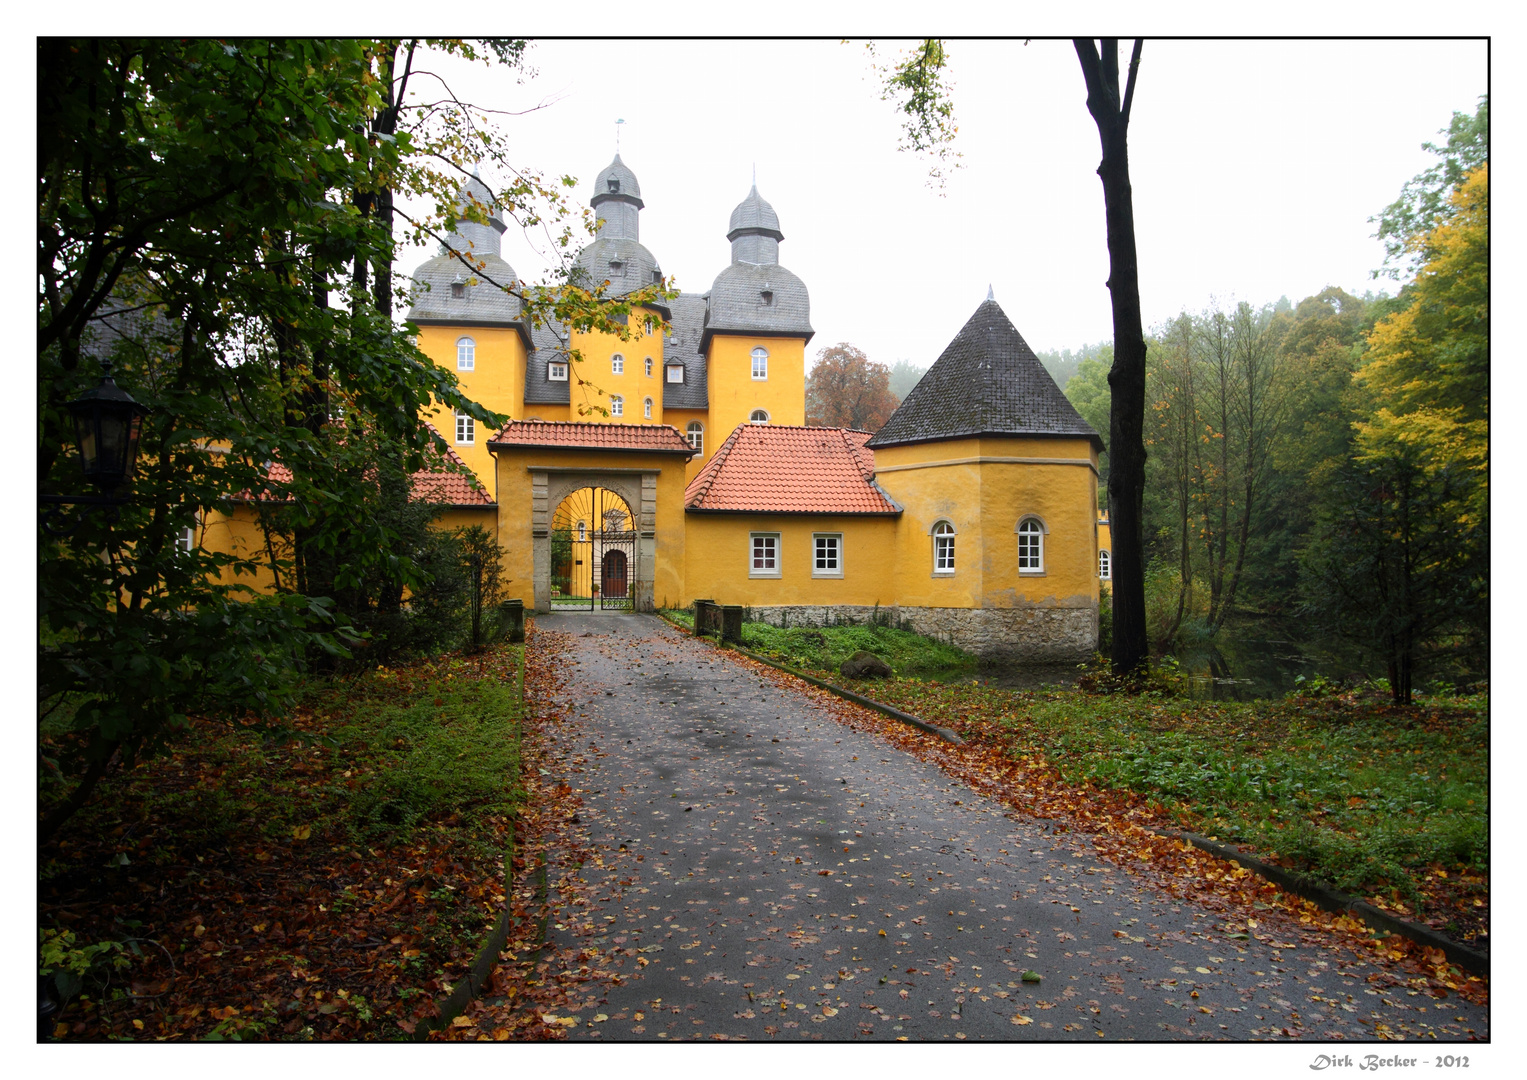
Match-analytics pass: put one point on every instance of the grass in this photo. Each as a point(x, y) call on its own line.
point(365, 849)
point(823, 649)
point(1370, 797)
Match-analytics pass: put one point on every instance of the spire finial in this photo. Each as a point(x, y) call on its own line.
point(989, 295)
point(475, 174)
point(618, 124)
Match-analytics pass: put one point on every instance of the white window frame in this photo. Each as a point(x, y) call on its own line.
point(1032, 527)
point(647, 408)
point(695, 433)
point(943, 533)
point(649, 367)
point(556, 371)
point(466, 354)
point(760, 364)
point(1105, 564)
point(753, 416)
point(676, 373)
point(836, 541)
point(185, 540)
point(767, 544)
point(466, 430)
point(617, 364)
point(617, 405)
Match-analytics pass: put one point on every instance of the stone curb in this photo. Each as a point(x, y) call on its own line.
point(1470, 960)
point(858, 699)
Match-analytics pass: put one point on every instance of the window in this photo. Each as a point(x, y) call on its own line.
point(648, 363)
point(466, 354)
point(758, 416)
point(760, 364)
point(1105, 565)
point(458, 290)
point(1031, 546)
point(647, 408)
point(583, 531)
point(185, 540)
point(765, 555)
point(464, 429)
point(618, 364)
point(768, 297)
point(676, 373)
point(556, 372)
point(617, 405)
point(827, 560)
point(943, 548)
point(695, 433)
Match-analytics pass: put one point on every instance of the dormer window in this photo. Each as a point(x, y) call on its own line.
point(768, 297)
point(614, 184)
point(458, 290)
point(556, 372)
point(675, 373)
point(657, 277)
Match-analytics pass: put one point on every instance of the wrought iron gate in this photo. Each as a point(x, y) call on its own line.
point(594, 552)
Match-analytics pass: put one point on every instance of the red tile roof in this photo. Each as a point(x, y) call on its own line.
point(769, 469)
point(435, 485)
point(659, 438)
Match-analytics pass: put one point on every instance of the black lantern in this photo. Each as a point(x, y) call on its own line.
point(108, 422)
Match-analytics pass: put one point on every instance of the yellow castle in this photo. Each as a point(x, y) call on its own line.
point(970, 515)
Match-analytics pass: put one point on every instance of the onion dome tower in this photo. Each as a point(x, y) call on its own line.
point(449, 291)
point(756, 295)
point(617, 254)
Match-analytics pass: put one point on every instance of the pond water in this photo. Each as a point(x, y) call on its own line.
point(1249, 661)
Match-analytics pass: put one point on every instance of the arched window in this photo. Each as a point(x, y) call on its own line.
point(1031, 546)
point(617, 405)
point(647, 408)
point(758, 416)
point(695, 433)
point(466, 354)
point(760, 363)
point(618, 364)
point(648, 363)
point(1105, 565)
point(943, 548)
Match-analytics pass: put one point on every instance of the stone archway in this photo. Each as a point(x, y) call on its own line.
point(637, 487)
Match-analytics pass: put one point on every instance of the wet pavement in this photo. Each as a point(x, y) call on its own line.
point(764, 871)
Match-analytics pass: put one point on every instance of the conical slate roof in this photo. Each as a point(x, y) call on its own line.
point(987, 382)
point(614, 181)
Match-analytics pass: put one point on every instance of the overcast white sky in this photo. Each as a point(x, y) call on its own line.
point(1255, 164)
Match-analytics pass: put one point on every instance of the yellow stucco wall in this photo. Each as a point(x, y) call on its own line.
point(984, 487)
point(496, 381)
point(633, 385)
point(681, 418)
point(734, 393)
point(719, 550)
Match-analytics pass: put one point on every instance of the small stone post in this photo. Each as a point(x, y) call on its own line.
point(511, 620)
point(731, 623)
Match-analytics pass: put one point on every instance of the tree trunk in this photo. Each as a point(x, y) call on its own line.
point(1126, 421)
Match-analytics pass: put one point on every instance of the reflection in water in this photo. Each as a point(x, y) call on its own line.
point(1250, 662)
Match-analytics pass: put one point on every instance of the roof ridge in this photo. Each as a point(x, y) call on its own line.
point(703, 480)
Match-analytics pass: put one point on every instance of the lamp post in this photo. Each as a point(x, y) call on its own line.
point(107, 425)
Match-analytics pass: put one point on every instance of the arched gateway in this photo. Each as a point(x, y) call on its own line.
point(633, 472)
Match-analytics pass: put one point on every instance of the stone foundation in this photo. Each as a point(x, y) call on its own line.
point(1007, 635)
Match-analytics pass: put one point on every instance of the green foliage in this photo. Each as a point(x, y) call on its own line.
point(74, 967)
point(904, 376)
point(1424, 197)
point(1063, 364)
point(915, 82)
point(1089, 392)
point(824, 648)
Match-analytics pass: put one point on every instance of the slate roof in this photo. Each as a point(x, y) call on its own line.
point(625, 183)
point(485, 303)
point(987, 382)
point(686, 326)
point(650, 438)
point(770, 469)
point(737, 302)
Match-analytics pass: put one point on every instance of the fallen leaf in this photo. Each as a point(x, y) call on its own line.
point(1021, 1020)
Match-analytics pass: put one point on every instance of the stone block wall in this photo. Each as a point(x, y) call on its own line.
point(1007, 635)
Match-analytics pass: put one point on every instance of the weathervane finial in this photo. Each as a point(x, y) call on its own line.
point(618, 124)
